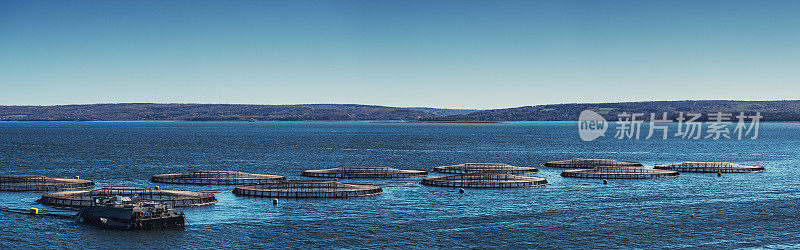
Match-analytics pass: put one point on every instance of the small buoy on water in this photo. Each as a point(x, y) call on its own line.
point(461, 190)
point(719, 174)
point(274, 201)
point(605, 182)
point(77, 177)
point(335, 179)
point(692, 215)
point(34, 211)
point(157, 188)
point(421, 169)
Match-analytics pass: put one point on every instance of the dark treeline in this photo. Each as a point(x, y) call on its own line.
point(770, 110)
point(208, 112)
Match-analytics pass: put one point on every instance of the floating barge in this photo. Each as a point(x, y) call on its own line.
point(711, 167)
point(614, 172)
point(584, 163)
point(496, 168)
point(217, 177)
point(175, 198)
point(40, 183)
point(485, 180)
point(124, 213)
point(308, 189)
point(364, 172)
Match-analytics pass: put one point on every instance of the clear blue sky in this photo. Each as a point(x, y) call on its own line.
point(456, 54)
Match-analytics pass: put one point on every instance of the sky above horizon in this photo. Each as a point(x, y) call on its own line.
point(448, 54)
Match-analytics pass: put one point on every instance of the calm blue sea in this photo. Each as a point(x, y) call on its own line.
point(735, 210)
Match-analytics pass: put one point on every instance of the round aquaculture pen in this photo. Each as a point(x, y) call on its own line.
point(364, 172)
point(497, 168)
point(484, 180)
point(215, 177)
point(308, 189)
point(711, 167)
point(614, 172)
point(78, 199)
point(40, 183)
point(590, 163)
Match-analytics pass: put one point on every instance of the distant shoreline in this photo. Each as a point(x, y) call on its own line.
point(771, 111)
point(365, 121)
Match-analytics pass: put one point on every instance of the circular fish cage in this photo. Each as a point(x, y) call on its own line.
point(485, 180)
point(364, 172)
point(584, 163)
point(214, 177)
point(614, 172)
point(78, 199)
point(711, 167)
point(308, 189)
point(40, 183)
point(497, 168)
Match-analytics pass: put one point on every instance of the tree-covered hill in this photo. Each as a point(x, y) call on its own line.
point(444, 112)
point(771, 110)
point(208, 112)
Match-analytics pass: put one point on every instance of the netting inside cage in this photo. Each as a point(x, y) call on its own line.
point(309, 189)
point(485, 180)
point(214, 177)
point(497, 168)
point(590, 163)
point(40, 183)
point(711, 167)
point(364, 172)
point(176, 198)
point(615, 172)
